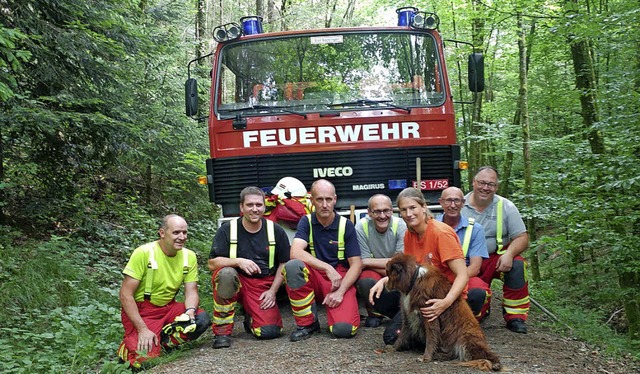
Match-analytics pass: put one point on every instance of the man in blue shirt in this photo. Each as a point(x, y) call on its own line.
point(325, 264)
point(474, 246)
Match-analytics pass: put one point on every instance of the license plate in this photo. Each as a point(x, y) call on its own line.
point(432, 184)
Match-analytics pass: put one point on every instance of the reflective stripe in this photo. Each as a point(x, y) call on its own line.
point(233, 238)
point(151, 266)
point(271, 238)
point(516, 310)
point(222, 320)
point(499, 207)
point(341, 230)
point(467, 237)
point(304, 301)
point(342, 225)
point(302, 312)
point(123, 353)
point(224, 308)
point(509, 302)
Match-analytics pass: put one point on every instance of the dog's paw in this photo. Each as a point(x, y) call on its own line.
point(425, 359)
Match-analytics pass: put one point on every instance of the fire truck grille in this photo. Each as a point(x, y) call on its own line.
point(357, 174)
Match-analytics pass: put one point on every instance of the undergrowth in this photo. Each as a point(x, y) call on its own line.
point(582, 322)
point(60, 302)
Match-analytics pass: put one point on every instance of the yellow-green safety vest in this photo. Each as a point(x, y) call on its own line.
point(341, 229)
point(467, 237)
point(499, 207)
point(233, 240)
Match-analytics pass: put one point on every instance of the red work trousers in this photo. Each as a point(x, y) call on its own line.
point(515, 287)
point(155, 317)
point(317, 286)
point(248, 295)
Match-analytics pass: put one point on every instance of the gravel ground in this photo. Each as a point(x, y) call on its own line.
point(539, 351)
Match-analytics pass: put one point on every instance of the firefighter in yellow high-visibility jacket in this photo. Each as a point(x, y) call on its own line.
point(151, 316)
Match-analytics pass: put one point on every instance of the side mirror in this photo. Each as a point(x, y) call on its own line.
point(476, 72)
point(191, 97)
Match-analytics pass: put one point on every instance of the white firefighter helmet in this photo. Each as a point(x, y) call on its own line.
point(289, 185)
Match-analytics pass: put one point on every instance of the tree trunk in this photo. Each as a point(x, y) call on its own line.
point(631, 281)
point(329, 12)
point(348, 13)
point(260, 8)
point(283, 15)
point(583, 66)
point(200, 28)
point(478, 143)
point(523, 104)
point(270, 14)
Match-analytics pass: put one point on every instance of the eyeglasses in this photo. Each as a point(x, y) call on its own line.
point(491, 185)
point(379, 212)
point(452, 201)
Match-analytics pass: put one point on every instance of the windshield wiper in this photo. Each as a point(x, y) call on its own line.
point(370, 103)
point(268, 108)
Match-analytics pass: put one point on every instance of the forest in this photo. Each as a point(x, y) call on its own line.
point(95, 148)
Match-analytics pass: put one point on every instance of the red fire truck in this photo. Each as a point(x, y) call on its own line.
point(369, 109)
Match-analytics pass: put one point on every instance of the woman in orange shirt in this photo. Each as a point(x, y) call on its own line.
point(429, 241)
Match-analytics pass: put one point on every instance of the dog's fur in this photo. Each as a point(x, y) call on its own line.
point(456, 332)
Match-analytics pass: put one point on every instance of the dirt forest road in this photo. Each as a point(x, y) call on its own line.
point(539, 351)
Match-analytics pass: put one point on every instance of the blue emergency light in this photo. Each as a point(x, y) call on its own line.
point(251, 25)
point(405, 15)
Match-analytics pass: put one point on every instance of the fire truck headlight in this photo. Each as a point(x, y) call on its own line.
point(234, 31)
point(424, 20)
point(227, 32)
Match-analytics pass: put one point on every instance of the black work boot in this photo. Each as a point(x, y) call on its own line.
point(517, 325)
point(304, 332)
point(221, 341)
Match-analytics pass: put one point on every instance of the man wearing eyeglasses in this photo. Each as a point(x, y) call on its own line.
point(380, 235)
point(507, 238)
point(474, 246)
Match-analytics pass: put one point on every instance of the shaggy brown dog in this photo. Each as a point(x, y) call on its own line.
point(456, 332)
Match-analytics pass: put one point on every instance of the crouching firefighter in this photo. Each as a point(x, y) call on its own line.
point(247, 258)
point(153, 320)
point(327, 272)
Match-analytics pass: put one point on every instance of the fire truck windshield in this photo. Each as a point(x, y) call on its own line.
point(315, 72)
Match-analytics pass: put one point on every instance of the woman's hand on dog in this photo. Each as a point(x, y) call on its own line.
point(434, 308)
point(376, 290)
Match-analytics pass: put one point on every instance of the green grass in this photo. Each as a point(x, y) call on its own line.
point(586, 324)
